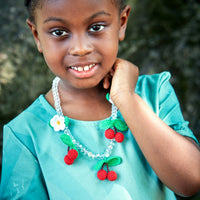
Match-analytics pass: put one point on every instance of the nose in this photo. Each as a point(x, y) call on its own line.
point(80, 46)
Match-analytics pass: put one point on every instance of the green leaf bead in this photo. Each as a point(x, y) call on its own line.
point(66, 140)
point(108, 96)
point(99, 165)
point(113, 161)
point(50, 124)
point(73, 146)
point(120, 125)
point(106, 124)
point(66, 121)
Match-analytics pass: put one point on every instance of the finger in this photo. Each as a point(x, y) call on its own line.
point(107, 81)
point(112, 71)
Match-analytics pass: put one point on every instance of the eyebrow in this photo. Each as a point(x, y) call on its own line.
point(88, 19)
point(54, 19)
point(98, 14)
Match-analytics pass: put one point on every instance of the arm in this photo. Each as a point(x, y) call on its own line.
point(21, 174)
point(174, 158)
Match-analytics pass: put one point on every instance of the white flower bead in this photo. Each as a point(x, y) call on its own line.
point(58, 123)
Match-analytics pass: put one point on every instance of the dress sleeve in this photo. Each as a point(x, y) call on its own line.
point(21, 173)
point(169, 107)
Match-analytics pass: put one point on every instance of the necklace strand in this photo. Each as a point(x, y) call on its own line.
point(67, 131)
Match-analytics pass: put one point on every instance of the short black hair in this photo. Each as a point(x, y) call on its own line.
point(31, 5)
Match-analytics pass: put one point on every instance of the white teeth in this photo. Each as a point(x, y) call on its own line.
point(84, 68)
point(75, 68)
point(80, 69)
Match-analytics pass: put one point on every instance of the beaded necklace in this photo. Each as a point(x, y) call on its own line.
point(111, 126)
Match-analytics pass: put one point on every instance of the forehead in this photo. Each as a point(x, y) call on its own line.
point(74, 8)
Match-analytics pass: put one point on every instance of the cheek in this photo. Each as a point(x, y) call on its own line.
point(53, 54)
point(50, 58)
point(54, 62)
point(110, 47)
point(112, 42)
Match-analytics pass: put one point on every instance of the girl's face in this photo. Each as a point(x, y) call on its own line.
point(79, 38)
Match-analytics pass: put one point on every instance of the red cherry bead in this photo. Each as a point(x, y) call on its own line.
point(119, 137)
point(112, 176)
point(101, 174)
point(109, 133)
point(72, 154)
point(68, 161)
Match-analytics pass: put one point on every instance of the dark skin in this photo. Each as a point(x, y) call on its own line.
point(90, 50)
point(76, 106)
point(73, 35)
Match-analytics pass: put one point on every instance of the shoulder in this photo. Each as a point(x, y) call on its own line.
point(36, 113)
point(152, 83)
point(149, 88)
point(31, 127)
point(154, 79)
point(31, 110)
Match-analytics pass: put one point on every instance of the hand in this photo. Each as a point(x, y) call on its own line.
point(124, 77)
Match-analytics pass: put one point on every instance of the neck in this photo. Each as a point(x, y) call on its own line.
point(77, 95)
point(82, 104)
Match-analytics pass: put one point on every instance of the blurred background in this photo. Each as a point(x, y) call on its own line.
point(162, 35)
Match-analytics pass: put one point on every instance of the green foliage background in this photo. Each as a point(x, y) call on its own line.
point(162, 35)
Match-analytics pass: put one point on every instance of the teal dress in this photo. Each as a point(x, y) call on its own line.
point(33, 154)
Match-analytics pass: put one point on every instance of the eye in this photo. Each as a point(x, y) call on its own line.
point(96, 28)
point(59, 33)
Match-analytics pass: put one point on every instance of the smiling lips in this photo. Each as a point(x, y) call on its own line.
point(82, 68)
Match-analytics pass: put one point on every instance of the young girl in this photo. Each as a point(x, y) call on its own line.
point(73, 143)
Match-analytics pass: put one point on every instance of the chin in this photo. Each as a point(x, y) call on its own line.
point(88, 85)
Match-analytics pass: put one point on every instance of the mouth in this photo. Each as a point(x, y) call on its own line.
point(83, 68)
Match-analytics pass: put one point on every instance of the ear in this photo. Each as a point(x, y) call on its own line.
point(32, 26)
point(123, 22)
